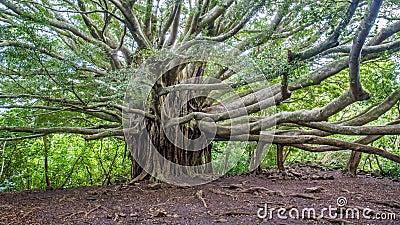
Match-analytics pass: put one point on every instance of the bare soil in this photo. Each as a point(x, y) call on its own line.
point(229, 200)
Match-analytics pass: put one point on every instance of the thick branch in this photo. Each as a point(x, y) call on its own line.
point(291, 140)
point(332, 40)
point(354, 61)
point(354, 130)
point(132, 23)
point(214, 13)
point(51, 130)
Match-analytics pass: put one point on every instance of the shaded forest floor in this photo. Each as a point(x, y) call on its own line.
point(229, 200)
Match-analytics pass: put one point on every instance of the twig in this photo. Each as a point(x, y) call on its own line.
point(199, 195)
point(92, 210)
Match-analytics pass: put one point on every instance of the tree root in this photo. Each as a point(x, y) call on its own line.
point(306, 196)
point(141, 177)
point(389, 203)
point(87, 213)
point(219, 192)
point(255, 190)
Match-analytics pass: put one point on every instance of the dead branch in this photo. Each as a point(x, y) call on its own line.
point(199, 195)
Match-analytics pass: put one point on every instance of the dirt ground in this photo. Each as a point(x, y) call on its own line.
point(229, 200)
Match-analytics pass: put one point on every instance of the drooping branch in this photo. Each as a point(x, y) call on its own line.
point(67, 105)
point(31, 47)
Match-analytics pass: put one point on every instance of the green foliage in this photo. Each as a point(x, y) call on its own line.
point(72, 162)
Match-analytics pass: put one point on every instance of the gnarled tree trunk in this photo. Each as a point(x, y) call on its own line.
point(174, 144)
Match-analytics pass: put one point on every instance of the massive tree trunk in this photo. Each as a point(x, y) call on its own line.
point(183, 150)
point(170, 152)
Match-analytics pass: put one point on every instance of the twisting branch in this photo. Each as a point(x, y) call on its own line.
point(214, 14)
point(261, 38)
point(132, 23)
point(390, 46)
point(108, 133)
point(193, 21)
point(332, 40)
point(354, 61)
point(62, 25)
point(147, 19)
point(238, 26)
point(168, 24)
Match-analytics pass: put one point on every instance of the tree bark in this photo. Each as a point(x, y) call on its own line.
point(173, 144)
point(352, 163)
point(279, 155)
point(46, 162)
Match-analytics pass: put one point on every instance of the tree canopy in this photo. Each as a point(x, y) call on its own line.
point(332, 69)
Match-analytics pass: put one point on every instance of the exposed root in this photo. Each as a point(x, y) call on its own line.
point(254, 190)
point(306, 196)
point(317, 189)
point(141, 177)
point(87, 213)
point(389, 203)
point(219, 192)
